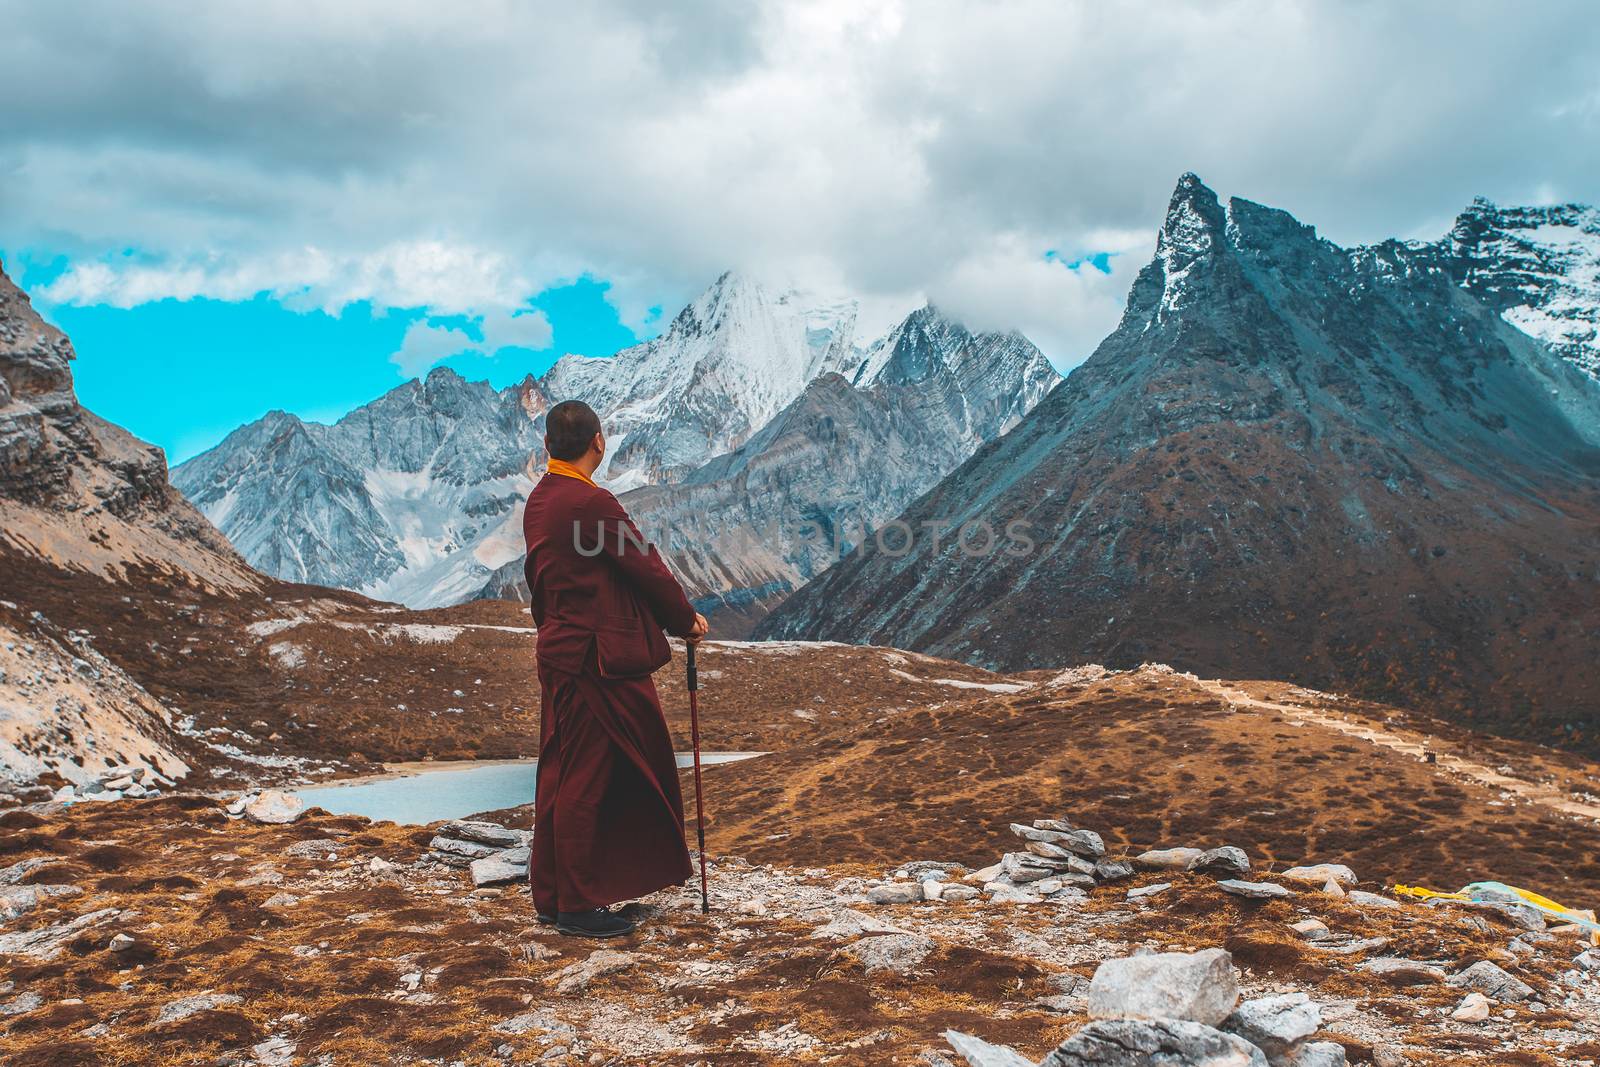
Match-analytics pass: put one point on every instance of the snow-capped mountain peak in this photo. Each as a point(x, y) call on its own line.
point(726, 364)
point(1541, 267)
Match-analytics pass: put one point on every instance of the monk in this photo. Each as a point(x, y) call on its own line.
point(608, 812)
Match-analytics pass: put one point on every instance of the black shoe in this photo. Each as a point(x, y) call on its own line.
point(596, 922)
point(545, 918)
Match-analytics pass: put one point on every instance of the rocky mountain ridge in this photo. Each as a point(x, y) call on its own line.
point(1289, 460)
point(748, 527)
point(417, 496)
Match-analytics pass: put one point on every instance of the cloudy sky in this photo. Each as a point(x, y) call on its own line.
point(240, 206)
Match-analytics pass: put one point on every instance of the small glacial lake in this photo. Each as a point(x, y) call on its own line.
point(452, 791)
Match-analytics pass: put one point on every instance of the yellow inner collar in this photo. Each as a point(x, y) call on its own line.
point(567, 470)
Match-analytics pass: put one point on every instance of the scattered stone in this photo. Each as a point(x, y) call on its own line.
point(922, 870)
point(1112, 870)
point(1402, 971)
point(895, 893)
point(1311, 929)
point(1351, 948)
point(182, 1009)
point(14, 874)
point(275, 806)
point(1082, 842)
point(1474, 1008)
point(316, 848)
point(932, 889)
point(1275, 1025)
point(1146, 891)
point(1588, 959)
point(1513, 909)
point(1198, 986)
point(979, 1053)
point(500, 869)
point(461, 853)
point(1253, 890)
point(985, 875)
point(602, 962)
point(1332, 888)
point(21, 1004)
point(1226, 860)
point(281, 900)
point(379, 865)
point(1167, 859)
point(262, 877)
point(1060, 1003)
point(121, 943)
point(852, 923)
point(274, 1052)
point(18, 900)
point(1317, 1054)
point(1319, 874)
point(957, 893)
point(1137, 1042)
point(1001, 893)
point(485, 833)
point(533, 1020)
point(1492, 981)
point(45, 943)
point(1371, 900)
point(899, 953)
point(1023, 867)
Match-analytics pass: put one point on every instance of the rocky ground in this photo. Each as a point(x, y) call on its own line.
point(165, 931)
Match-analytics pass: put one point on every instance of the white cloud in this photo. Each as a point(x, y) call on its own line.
point(421, 274)
point(462, 157)
point(426, 344)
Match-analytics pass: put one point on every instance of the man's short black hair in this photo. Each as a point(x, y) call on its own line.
point(569, 427)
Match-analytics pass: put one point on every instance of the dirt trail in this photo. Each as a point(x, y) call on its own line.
point(1414, 745)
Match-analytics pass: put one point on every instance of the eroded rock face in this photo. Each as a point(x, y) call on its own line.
point(1194, 986)
point(78, 490)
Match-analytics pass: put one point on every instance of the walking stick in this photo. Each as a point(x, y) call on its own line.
point(699, 803)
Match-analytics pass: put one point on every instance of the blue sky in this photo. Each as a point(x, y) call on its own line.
point(183, 373)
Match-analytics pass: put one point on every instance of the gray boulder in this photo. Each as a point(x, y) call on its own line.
point(1167, 859)
point(1253, 890)
point(1317, 1054)
point(896, 893)
point(1149, 890)
point(900, 953)
point(1153, 1043)
point(1275, 1025)
point(485, 833)
point(500, 869)
point(1492, 981)
point(1081, 842)
point(275, 806)
point(979, 1053)
point(1195, 986)
point(1224, 861)
point(1402, 971)
point(463, 851)
point(187, 1006)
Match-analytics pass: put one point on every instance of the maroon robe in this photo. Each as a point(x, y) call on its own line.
point(608, 812)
